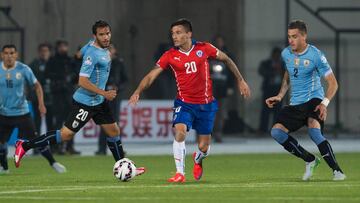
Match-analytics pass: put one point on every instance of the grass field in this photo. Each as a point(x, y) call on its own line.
point(227, 178)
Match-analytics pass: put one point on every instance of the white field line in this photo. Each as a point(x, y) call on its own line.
point(152, 198)
point(40, 189)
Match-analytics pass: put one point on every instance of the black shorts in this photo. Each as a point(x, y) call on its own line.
point(24, 123)
point(296, 116)
point(80, 114)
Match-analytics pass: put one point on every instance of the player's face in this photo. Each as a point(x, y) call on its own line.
point(103, 36)
point(179, 35)
point(9, 56)
point(296, 39)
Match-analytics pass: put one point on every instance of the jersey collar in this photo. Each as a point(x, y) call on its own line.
point(193, 42)
point(8, 69)
point(303, 52)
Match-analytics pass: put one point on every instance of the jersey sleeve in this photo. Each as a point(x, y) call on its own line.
point(163, 62)
point(211, 50)
point(88, 65)
point(322, 65)
point(29, 76)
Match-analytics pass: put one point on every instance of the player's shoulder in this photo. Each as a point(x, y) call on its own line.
point(22, 66)
point(170, 51)
point(201, 44)
point(91, 50)
point(314, 50)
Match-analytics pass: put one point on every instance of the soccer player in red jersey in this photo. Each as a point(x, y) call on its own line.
point(195, 106)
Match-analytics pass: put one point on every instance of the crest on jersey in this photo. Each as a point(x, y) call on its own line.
point(306, 63)
point(75, 124)
point(18, 76)
point(297, 62)
point(199, 53)
point(88, 61)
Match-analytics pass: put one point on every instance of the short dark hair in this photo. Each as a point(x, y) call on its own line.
point(184, 22)
point(61, 42)
point(44, 44)
point(9, 46)
point(298, 24)
point(99, 23)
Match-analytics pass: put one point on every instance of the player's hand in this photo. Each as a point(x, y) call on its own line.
point(322, 111)
point(42, 109)
point(134, 99)
point(110, 94)
point(244, 89)
point(270, 102)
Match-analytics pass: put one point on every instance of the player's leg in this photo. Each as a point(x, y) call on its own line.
point(113, 140)
point(114, 143)
point(182, 123)
point(201, 153)
point(203, 124)
point(104, 117)
point(27, 131)
point(280, 133)
point(78, 117)
point(179, 152)
point(5, 132)
point(325, 148)
point(50, 138)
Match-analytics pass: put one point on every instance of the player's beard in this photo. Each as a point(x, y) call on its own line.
point(105, 45)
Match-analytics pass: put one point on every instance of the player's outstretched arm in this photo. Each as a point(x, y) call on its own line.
point(144, 84)
point(332, 87)
point(270, 102)
point(40, 97)
point(242, 85)
point(85, 83)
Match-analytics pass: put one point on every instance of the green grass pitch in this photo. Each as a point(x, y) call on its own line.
point(227, 178)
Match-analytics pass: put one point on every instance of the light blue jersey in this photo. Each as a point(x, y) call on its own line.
point(96, 66)
point(305, 70)
point(12, 82)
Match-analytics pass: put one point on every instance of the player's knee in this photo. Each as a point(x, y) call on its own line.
point(180, 135)
point(280, 126)
point(180, 132)
point(66, 134)
point(113, 132)
point(279, 135)
point(313, 123)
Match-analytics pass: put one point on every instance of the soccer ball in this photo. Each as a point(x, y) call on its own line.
point(124, 169)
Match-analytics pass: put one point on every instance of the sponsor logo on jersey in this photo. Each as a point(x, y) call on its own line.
point(8, 76)
point(199, 53)
point(88, 61)
point(177, 58)
point(75, 124)
point(18, 76)
point(306, 63)
point(297, 61)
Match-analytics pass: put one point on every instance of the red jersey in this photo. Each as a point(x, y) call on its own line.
point(191, 71)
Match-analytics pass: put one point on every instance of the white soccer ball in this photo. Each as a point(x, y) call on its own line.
point(124, 169)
